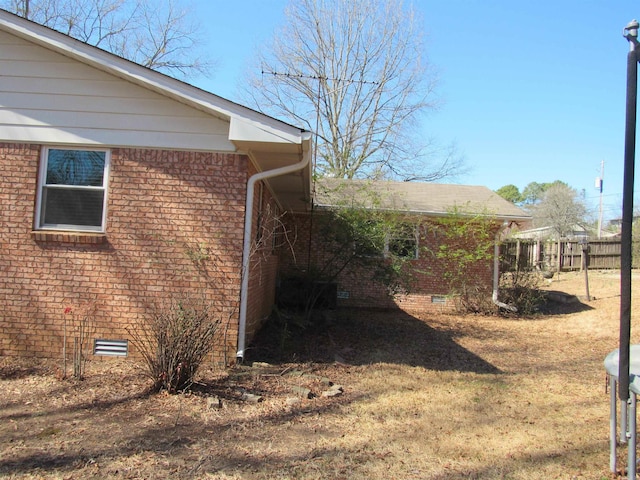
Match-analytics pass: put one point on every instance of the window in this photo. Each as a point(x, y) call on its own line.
point(403, 242)
point(73, 186)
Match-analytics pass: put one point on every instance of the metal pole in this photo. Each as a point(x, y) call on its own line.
point(585, 266)
point(631, 451)
point(631, 34)
point(613, 423)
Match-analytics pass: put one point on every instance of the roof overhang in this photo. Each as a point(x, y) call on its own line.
point(292, 190)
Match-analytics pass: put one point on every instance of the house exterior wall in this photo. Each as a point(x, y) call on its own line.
point(431, 280)
point(46, 97)
point(174, 228)
point(178, 170)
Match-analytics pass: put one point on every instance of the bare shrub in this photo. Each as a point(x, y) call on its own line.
point(475, 299)
point(82, 326)
point(522, 290)
point(174, 341)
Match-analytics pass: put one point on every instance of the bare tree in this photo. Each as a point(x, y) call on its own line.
point(355, 72)
point(155, 34)
point(560, 208)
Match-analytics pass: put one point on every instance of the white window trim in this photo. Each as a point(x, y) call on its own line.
point(44, 156)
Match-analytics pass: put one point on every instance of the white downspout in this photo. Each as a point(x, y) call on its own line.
point(496, 276)
point(246, 247)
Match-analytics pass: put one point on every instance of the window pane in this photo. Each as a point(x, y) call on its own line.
point(403, 242)
point(403, 247)
point(75, 167)
point(72, 207)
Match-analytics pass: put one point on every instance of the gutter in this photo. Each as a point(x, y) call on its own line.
point(246, 247)
point(496, 276)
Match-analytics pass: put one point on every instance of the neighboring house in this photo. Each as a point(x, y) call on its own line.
point(422, 205)
point(122, 188)
point(548, 233)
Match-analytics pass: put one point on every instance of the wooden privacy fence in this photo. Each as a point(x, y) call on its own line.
point(565, 255)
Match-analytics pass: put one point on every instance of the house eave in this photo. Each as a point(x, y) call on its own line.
point(292, 190)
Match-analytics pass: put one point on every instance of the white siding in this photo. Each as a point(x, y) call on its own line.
point(46, 97)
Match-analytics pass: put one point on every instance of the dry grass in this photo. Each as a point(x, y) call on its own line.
point(425, 397)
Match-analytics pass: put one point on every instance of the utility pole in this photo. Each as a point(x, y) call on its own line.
point(599, 181)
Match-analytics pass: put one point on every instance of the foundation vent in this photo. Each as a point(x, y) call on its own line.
point(113, 348)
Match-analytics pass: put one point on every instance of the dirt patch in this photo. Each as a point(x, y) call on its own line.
point(424, 396)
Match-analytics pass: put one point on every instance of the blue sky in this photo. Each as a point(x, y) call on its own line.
point(531, 90)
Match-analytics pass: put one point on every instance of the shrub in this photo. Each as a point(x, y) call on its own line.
point(521, 289)
point(79, 323)
point(174, 341)
point(475, 299)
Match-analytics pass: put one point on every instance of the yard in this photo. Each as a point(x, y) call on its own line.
point(434, 397)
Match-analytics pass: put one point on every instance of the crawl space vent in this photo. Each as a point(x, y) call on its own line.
point(113, 348)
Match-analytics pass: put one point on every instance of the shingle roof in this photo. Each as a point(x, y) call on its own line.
point(432, 199)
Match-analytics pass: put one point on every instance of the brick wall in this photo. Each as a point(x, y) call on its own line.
point(429, 288)
point(174, 228)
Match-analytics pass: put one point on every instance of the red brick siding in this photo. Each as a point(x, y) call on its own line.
point(428, 277)
point(174, 228)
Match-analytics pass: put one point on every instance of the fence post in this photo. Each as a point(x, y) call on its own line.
point(584, 264)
